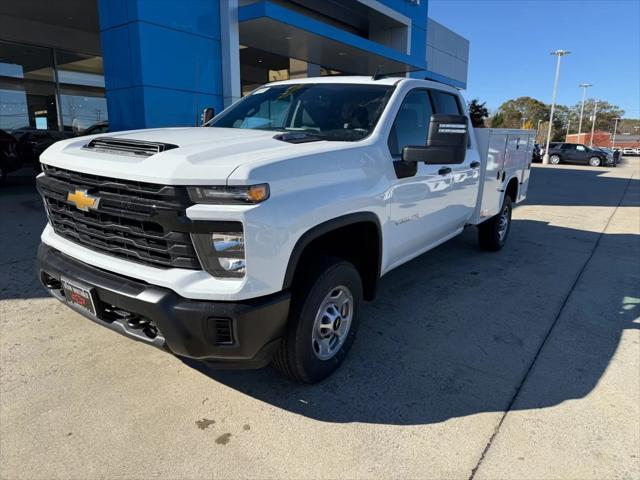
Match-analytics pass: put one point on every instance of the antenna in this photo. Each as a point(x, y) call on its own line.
point(378, 75)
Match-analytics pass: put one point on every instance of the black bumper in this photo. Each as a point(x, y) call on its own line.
point(243, 334)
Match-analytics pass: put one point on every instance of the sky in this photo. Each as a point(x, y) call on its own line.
point(510, 41)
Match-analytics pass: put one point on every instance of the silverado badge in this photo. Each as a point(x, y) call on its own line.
point(82, 200)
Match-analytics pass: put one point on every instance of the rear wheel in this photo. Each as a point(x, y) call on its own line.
point(323, 321)
point(492, 234)
point(595, 161)
point(554, 159)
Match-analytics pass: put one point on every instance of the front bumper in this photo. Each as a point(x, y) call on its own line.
point(233, 334)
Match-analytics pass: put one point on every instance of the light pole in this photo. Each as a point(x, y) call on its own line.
point(559, 54)
point(523, 121)
point(584, 87)
point(615, 129)
point(538, 129)
point(566, 137)
point(593, 122)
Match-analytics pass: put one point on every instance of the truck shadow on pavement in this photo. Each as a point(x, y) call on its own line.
point(455, 331)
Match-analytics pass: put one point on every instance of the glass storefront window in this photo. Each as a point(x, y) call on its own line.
point(79, 69)
point(258, 67)
point(27, 88)
point(31, 99)
point(82, 110)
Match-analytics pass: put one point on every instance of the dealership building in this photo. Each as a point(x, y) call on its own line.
point(68, 64)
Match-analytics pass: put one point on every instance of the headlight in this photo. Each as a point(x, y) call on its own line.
point(235, 194)
point(222, 253)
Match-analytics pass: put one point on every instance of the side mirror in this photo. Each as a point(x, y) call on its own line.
point(446, 142)
point(207, 114)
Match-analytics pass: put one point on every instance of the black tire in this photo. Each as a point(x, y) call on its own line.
point(555, 160)
point(3, 175)
point(490, 235)
point(296, 357)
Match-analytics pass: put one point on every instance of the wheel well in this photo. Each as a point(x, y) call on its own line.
point(512, 189)
point(358, 243)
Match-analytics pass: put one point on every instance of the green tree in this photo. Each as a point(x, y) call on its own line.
point(628, 125)
point(497, 121)
point(512, 112)
point(478, 112)
point(605, 116)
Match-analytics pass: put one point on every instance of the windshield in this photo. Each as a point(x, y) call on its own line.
point(345, 112)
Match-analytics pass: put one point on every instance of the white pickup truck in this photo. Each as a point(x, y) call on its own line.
point(256, 238)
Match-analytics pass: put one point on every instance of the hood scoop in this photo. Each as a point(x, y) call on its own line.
point(297, 137)
point(125, 146)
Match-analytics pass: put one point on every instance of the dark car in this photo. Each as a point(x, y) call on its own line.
point(9, 159)
point(100, 127)
point(32, 142)
point(578, 154)
point(537, 155)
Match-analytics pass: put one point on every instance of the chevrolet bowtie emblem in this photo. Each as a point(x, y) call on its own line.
point(82, 200)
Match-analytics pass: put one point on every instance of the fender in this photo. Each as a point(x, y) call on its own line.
point(324, 228)
point(506, 186)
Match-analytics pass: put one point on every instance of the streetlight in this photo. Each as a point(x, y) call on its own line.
point(523, 121)
point(615, 129)
point(538, 129)
point(559, 54)
point(593, 122)
point(584, 87)
point(566, 137)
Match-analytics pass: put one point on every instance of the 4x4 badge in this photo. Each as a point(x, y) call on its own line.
point(83, 201)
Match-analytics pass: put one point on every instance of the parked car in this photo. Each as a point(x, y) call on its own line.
point(536, 155)
point(9, 160)
point(612, 156)
point(32, 142)
point(630, 151)
point(100, 127)
point(257, 238)
point(578, 154)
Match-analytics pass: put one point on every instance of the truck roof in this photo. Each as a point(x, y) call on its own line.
point(363, 80)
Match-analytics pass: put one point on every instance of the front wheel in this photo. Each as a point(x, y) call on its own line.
point(595, 161)
point(492, 234)
point(554, 159)
point(323, 321)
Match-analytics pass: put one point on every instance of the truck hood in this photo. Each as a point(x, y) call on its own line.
point(203, 155)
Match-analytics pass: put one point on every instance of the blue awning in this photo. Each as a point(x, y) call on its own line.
point(267, 26)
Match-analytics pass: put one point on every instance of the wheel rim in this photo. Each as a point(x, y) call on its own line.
point(503, 223)
point(595, 161)
point(332, 323)
point(555, 159)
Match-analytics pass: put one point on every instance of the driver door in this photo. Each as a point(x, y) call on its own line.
point(421, 194)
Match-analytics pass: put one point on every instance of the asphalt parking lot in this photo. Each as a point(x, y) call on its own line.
point(519, 364)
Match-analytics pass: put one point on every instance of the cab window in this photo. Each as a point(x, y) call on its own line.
point(581, 148)
point(411, 125)
point(445, 103)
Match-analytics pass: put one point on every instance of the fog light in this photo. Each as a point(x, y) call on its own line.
point(222, 253)
point(232, 264)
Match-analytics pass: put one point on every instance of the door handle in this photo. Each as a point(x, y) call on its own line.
point(444, 171)
point(474, 164)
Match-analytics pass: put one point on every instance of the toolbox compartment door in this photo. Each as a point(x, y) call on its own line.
point(492, 185)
